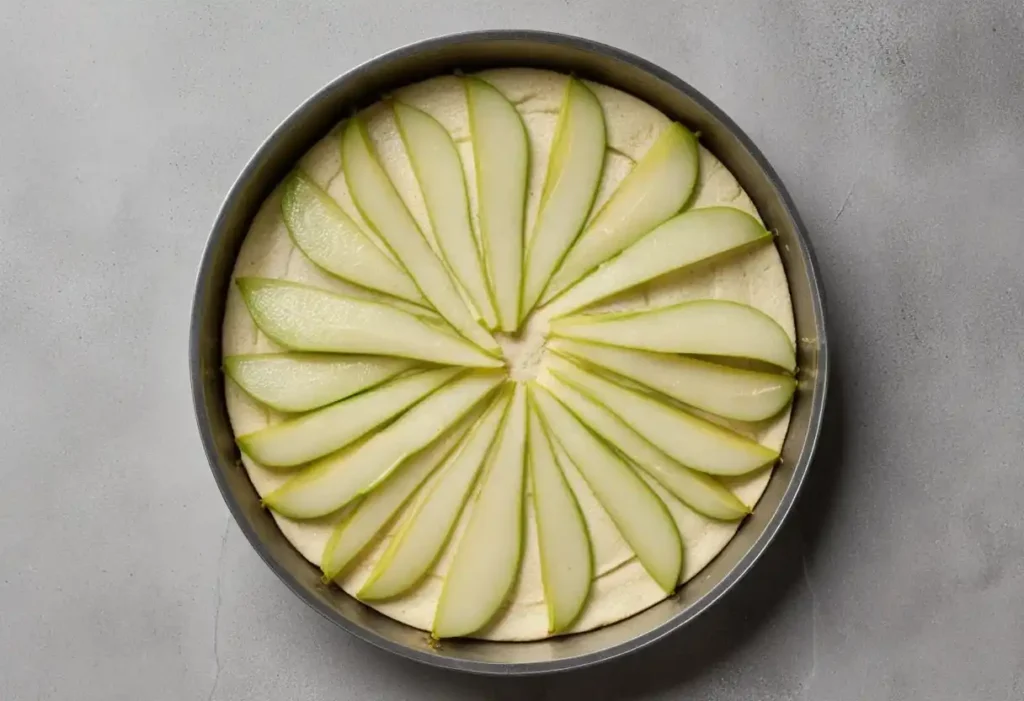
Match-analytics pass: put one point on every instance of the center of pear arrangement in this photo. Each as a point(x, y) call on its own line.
point(399, 404)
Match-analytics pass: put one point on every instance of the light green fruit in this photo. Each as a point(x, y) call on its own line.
point(684, 240)
point(355, 532)
point(566, 561)
point(326, 235)
point(501, 154)
point(334, 481)
point(574, 170)
point(293, 382)
point(654, 190)
point(423, 535)
point(744, 395)
point(692, 441)
point(638, 513)
point(700, 492)
point(702, 327)
point(306, 318)
point(304, 438)
point(435, 160)
point(487, 557)
point(382, 206)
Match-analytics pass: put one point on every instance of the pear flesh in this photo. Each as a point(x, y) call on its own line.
point(744, 395)
point(684, 240)
point(355, 532)
point(334, 481)
point(574, 170)
point(304, 438)
point(654, 190)
point(306, 318)
point(382, 206)
point(487, 557)
point(692, 441)
point(294, 382)
point(438, 170)
point(565, 556)
point(701, 327)
point(700, 492)
point(501, 154)
point(329, 238)
point(422, 537)
point(640, 516)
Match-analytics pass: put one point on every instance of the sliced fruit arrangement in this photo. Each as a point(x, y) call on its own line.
point(574, 170)
point(331, 428)
point(438, 169)
point(744, 395)
point(305, 318)
point(399, 418)
point(326, 235)
point(294, 382)
point(502, 157)
point(702, 327)
point(487, 556)
point(692, 237)
point(566, 562)
point(383, 207)
point(657, 188)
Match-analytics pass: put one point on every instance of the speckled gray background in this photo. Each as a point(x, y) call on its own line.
point(899, 129)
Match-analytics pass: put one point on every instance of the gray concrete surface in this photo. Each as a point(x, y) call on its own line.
point(899, 129)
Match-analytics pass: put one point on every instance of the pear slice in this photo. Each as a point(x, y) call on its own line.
point(486, 561)
point(382, 206)
point(355, 532)
point(306, 318)
point(334, 481)
point(501, 155)
point(326, 235)
point(654, 190)
point(421, 538)
point(304, 438)
point(700, 492)
point(744, 395)
point(692, 441)
point(566, 561)
point(640, 516)
point(435, 161)
point(293, 382)
point(574, 170)
point(689, 238)
point(701, 327)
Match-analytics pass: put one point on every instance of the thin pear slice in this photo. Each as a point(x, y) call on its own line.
point(322, 231)
point(304, 438)
point(351, 537)
point(566, 562)
point(306, 318)
point(417, 545)
point(334, 481)
point(702, 327)
point(640, 516)
point(744, 395)
point(700, 492)
point(293, 382)
point(382, 206)
point(574, 170)
point(682, 241)
point(501, 155)
point(694, 442)
point(654, 190)
point(438, 168)
point(487, 557)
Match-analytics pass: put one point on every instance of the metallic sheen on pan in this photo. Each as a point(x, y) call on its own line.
point(363, 86)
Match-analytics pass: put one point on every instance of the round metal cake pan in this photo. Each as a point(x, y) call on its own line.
point(363, 86)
